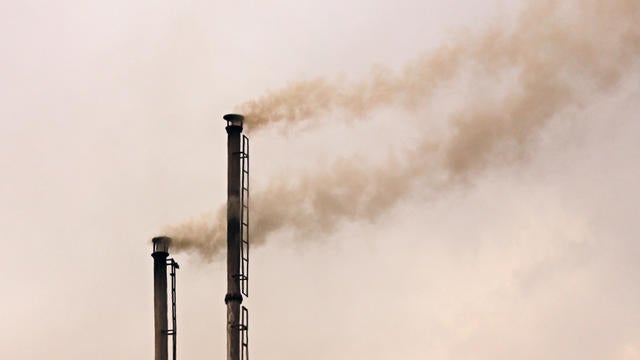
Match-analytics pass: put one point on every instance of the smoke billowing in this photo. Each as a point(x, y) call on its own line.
point(561, 54)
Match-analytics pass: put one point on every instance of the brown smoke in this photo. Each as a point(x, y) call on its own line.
point(562, 54)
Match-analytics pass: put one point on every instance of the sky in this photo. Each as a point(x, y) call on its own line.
point(111, 131)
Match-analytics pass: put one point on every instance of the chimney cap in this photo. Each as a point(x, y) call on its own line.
point(161, 244)
point(234, 119)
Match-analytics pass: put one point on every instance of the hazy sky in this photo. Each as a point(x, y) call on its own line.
point(110, 130)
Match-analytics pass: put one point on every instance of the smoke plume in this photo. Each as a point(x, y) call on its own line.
point(562, 54)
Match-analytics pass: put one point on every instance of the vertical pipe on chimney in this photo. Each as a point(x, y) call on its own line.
point(233, 299)
point(160, 254)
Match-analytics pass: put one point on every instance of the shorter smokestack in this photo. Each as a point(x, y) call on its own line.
point(160, 254)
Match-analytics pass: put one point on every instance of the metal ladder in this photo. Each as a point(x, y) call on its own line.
point(244, 248)
point(244, 334)
point(173, 266)
point(244, 218)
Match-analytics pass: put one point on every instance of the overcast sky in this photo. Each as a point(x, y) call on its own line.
point(110, 130)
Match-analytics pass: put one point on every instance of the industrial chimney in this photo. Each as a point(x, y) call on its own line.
point(161, 329)
point(237, 237)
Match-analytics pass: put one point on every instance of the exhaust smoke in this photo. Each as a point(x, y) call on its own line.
point(562, 54)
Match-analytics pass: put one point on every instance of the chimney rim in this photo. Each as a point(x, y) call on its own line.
point(232, 117)
point(234, 120)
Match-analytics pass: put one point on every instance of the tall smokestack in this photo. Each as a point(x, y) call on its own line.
point(233, 299)
point(160, 254)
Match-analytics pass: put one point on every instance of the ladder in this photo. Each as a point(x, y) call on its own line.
point(244, 218)
point(244, 248)
point(244, 334)
point(173, 266)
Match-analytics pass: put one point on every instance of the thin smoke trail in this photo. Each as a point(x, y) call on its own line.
point(561, 53)
point(545, 34)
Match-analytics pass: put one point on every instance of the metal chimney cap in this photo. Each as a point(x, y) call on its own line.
point(161, 244)
point(234, 119)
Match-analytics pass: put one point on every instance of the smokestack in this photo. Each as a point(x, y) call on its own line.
point(160, 254)
point(233, 299)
